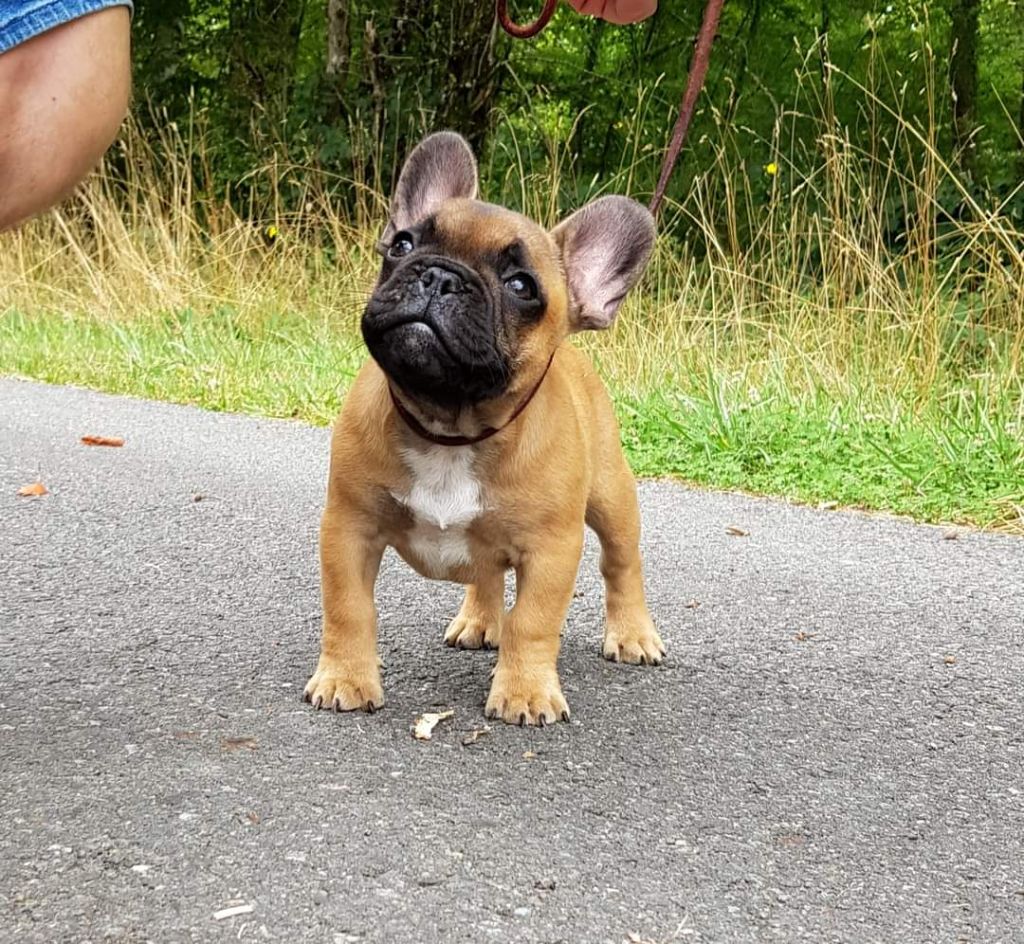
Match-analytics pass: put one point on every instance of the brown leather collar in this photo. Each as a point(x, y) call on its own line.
point(420, 430)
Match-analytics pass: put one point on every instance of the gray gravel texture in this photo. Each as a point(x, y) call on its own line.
point(834, 750)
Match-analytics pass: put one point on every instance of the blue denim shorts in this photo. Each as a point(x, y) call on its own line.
point(23, 19)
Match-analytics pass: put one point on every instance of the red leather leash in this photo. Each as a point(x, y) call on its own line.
point(694, 83)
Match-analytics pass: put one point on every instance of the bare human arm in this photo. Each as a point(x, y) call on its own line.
point(63, 95)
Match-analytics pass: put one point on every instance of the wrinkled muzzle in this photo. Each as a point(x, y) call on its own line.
point(432, 328)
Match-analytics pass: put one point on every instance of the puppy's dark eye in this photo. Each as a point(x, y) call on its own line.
point(401, 245)
point(522, 286)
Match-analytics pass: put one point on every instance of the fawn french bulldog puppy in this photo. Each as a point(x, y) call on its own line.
point(478, 439)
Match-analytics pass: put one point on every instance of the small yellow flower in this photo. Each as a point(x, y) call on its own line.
point(771, 169)
point(272, 232)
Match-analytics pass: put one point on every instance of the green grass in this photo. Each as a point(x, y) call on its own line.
point(937, 465)
point(283, 368)
point(955, 459)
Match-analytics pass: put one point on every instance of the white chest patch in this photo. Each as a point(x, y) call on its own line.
point(444, 498)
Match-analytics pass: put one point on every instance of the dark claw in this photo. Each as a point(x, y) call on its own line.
point(522, 718)
point(317, 702)
point(335, 705)
point(542, 720)
point(370, 707)
point(565, 715)
point(306, 697)
point(490, 714)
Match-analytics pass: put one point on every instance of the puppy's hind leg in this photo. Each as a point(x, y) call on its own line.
point(613, 512)
point(478, 623)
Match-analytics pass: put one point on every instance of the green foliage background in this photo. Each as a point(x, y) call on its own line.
point(253, 77)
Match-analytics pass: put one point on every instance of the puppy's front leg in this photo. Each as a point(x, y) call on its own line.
point(348, 673)
point(525, 689)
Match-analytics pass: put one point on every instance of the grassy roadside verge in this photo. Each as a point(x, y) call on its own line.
point(952, 459)
point(845, 327)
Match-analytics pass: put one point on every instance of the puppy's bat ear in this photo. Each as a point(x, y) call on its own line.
point(605, 248)
point(440, 168)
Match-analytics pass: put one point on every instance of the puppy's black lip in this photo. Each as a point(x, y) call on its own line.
point(413, 319)
point(402, 322)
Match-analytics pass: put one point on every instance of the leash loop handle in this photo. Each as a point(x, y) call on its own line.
point(529, 30)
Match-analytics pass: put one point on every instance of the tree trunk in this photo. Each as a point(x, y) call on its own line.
point(339, 59)
point(431, 64)
point(467, 70)
point(339, 42)
point(963, 69)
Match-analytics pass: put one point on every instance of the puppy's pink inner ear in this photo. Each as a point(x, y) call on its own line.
point(593, 282)
point(441, 167)
point(605, 248)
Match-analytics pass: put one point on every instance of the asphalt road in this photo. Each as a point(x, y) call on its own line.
point(834, 750)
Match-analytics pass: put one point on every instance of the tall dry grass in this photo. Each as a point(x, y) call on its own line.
point(792, 280)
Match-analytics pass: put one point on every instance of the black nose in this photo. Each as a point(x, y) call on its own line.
point(441, 281)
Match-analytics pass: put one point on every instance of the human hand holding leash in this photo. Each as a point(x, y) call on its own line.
point(616, 11)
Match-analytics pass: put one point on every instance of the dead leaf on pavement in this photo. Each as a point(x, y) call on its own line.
point(102, 441)
point(476, 734)
point(33, 490)
point(423, 730)
point(237, 743)
point(827, 505)
point(692, 604)
point(528, 755)
point(803, 636)
point(950, 660)
point(950, 535)
point(736, 532)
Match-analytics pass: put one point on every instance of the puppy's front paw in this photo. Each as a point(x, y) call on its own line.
point(473, 632)
point(518, 698)
point(633, 640)
point(343, 688)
